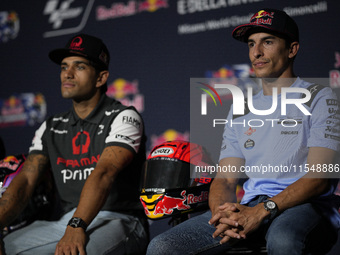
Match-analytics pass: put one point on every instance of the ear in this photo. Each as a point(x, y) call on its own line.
point(102, 78)
point(293, 50)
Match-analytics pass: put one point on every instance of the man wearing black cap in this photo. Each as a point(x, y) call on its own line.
point(96, 152)
point(288, 213)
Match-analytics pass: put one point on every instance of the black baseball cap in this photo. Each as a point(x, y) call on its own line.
point(86, 46)
point(270, 21)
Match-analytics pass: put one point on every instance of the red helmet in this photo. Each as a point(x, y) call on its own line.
point(170, 185)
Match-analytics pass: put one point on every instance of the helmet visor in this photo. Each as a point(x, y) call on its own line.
point(162, 173)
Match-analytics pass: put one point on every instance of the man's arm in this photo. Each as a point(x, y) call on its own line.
point(295, 194)
point(17, 195)
point(311, 185)
point(94, 195)
point(222, 196)
point(223, 187)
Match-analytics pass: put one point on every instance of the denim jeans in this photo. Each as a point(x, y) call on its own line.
point(109, 233)
point(298, 230)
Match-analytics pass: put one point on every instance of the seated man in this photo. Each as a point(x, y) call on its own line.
point(96, 152)
point(292, 212)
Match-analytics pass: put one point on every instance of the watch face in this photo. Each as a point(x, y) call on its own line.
point(270, 205)
point(75, 222)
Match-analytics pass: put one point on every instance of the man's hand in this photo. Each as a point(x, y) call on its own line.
point(73, 242)
point(248, 219)
point(229, 226)
point(223, 211)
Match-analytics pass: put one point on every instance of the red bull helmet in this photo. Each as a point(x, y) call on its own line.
point(169, 185)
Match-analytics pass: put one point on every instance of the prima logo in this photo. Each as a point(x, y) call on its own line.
point(59, 11)
point(239, 100)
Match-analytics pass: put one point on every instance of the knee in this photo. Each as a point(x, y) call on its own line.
point(279, 242)
point(158, 245)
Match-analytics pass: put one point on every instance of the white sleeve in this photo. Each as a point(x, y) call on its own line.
point(126, 130)
point(37, 143)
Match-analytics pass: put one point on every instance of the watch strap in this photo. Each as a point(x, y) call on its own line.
point(77, 222)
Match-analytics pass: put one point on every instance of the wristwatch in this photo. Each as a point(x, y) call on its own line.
point(271, 207)
point(76, 222)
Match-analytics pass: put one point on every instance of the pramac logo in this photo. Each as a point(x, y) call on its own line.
point(76, 43)
point(79, 148)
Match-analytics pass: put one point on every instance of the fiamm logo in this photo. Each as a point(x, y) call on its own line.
point(204, 97)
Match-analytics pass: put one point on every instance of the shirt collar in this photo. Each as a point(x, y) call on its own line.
point(93, 117)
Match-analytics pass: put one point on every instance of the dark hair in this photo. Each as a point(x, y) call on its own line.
point(98, 68)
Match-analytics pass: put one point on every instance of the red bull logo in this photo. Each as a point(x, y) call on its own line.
point(127, 93)
point(123, 9)
point(9, 26)
point(168, 204)
point(10, 162)
point(231, 74)
point(161, 205)
point(262, 17)
point(9, 168)
point(263, 14)
point(152, 5)
point(13, 105)
point(22, 109)
point(223, 72)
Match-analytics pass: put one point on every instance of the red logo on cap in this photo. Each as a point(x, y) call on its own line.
point(263, 14)
point(262, 17)
point(76, 43)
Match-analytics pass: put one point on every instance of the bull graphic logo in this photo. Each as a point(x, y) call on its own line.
point(77, 146)
point(168, 204)
point(161, 204)
point(263, 14)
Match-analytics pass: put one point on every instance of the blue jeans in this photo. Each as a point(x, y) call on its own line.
point(109, 233)
point(298, 230)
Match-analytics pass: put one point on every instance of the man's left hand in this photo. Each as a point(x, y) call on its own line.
point(72, 243)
